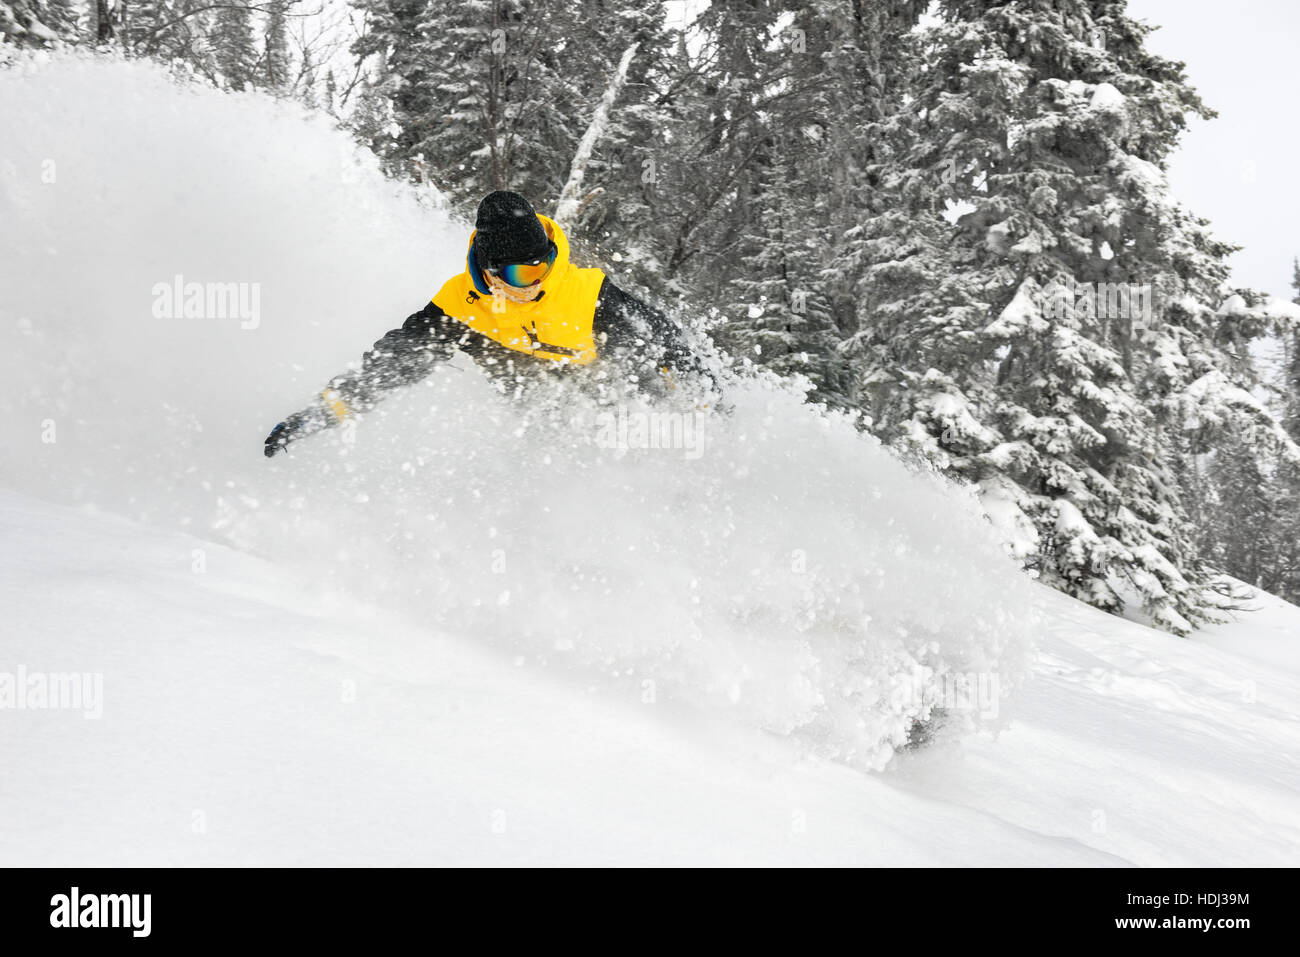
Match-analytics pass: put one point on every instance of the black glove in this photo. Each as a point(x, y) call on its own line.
point(297, 426)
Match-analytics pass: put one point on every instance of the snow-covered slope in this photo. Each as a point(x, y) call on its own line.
point(467, 631)
point(247, 719)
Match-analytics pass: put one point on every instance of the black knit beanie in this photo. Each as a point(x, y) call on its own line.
point(508, 230)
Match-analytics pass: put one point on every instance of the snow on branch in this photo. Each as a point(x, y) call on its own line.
point(569, 205)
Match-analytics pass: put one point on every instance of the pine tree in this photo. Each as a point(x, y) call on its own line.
point(693, 209)
point(1244, 522)
point(234, 51)
point(623, 186)
point(307, 76)
point(276, 75)
point(102, 26)
point(64, 19)
point(779, 212)
point(331, 93)
point(777, 309)
point(782, 317)
point(171, 31)
point(37, 23)
point(1287, 481)
point(370, 119)
point(492, 95)
point(1042, 131)
point(1289, 387)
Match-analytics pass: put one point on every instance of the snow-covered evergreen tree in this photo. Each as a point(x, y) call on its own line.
point(276, 64)
point(1245, 520)
point(825, 76)
point(234, 50)
point(307, 78)
point(781, 315)
point(35, 23)
point(1053, 341)
point(171, 31)
point(493, 95)
point(1286, 480)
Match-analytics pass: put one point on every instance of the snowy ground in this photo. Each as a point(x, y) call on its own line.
point(466, 634)
point(244, 723)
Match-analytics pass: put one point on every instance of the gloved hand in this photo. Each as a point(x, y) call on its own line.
point(297, 426)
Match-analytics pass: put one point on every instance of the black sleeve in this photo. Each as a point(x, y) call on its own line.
point(403, 356)
point(637, 331)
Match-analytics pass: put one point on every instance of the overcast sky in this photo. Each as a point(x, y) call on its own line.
point(1242, 170)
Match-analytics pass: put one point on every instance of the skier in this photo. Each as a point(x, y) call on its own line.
point(520, 305)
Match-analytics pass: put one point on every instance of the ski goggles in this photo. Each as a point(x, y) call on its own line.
point(524, 274)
